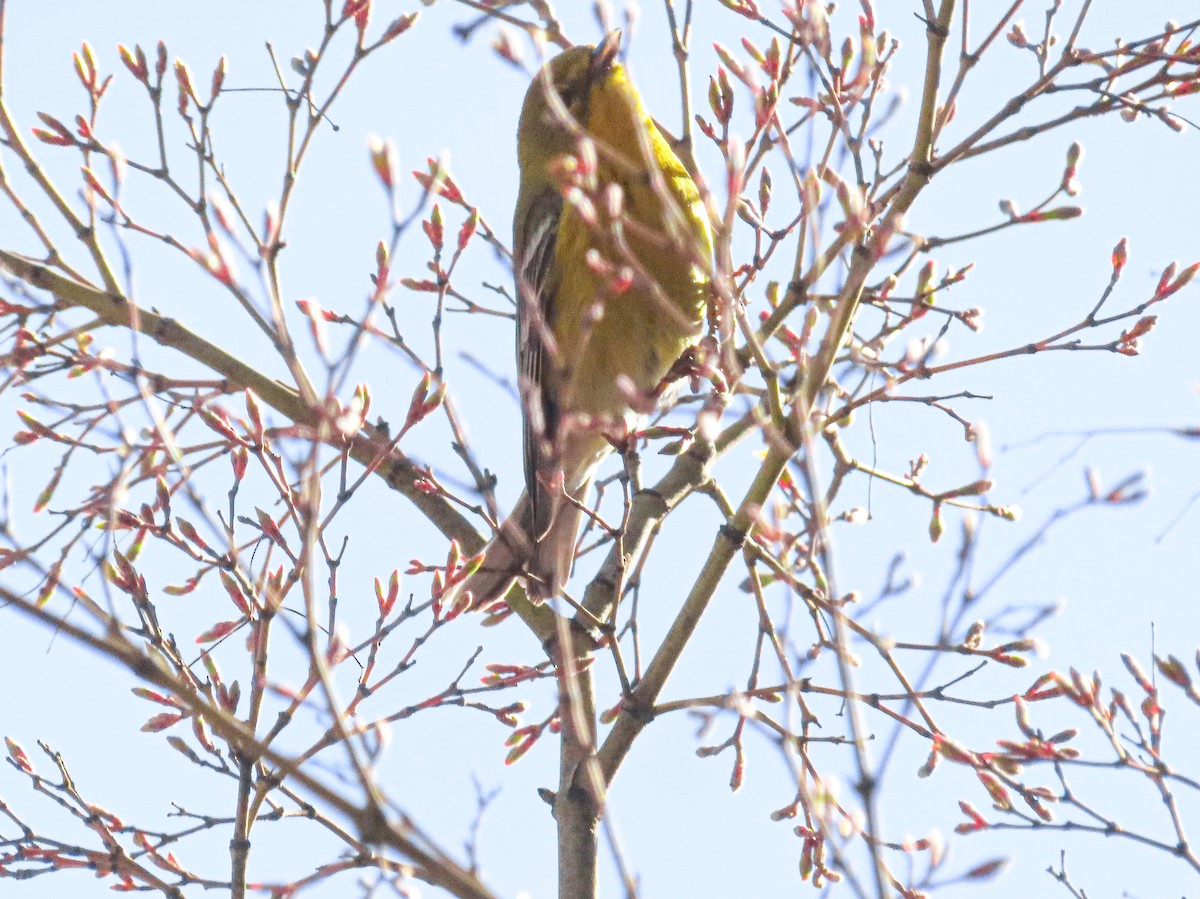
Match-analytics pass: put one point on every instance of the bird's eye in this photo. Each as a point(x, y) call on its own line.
point(572, 93)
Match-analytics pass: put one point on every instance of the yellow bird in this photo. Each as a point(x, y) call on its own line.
point(611, 253)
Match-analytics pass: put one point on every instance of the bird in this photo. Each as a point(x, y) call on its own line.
point(612, 251)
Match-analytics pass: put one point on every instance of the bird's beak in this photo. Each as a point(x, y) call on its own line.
point(604, 56)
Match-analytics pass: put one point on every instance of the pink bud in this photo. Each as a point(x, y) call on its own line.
point(1120, 255)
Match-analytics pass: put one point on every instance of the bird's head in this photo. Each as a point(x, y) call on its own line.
point(573, 76)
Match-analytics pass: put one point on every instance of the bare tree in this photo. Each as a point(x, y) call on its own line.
point(182, 463)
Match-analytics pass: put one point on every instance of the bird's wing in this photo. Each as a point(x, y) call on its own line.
point(536, 285)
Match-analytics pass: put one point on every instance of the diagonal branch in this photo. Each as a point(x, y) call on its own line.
point(370, 447)
point(434, 865)
point(639, 709)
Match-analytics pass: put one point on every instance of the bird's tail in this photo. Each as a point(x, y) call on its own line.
point(542, 560)
point(503, 562)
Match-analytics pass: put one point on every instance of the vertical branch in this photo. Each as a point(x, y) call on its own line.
point(239, 843)
point(680, 47)
point(579, 802)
